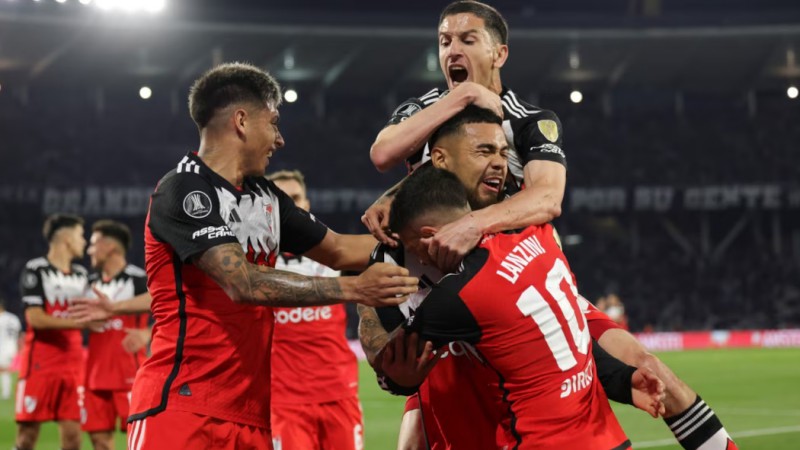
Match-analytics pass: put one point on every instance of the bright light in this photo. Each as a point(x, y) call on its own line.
point(290, 95)
point(85, 2)
point(61, 1)
point(576, 96)
point(151, 6)
point(145, 92)
point(792, 92)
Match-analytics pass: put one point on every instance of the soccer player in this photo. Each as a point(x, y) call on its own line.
point(110, 369)
point(473, 40)
point(514, 303)
point(212, 236)
point(314, 373)
point(52, 356)
point(10, 328)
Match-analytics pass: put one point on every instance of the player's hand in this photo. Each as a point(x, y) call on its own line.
point(452, 242)
point(383, 285)
point(648, 392)
point(483, 97)
point(376, 219)
point(135, 339)
point(399, 360)
point(83, 310)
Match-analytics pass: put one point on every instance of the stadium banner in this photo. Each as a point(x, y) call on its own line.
point(696, 340)
point(132, 201)
point(769, 197)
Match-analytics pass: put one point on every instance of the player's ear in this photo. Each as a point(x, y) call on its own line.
point(439, 157)
point(500, 56)
point(427, 231)
point(240, 119)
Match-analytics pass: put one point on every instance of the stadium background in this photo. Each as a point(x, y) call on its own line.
point(683, 190)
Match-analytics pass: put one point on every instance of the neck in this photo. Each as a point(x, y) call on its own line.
point(113, 266)
point(60, 257)
point(219, 157)
point(496, 85)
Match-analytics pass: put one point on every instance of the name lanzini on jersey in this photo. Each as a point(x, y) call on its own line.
point(519, 258)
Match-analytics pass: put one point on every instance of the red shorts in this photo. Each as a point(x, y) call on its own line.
point(42, 398)
point(101, 409)
point(314, 426)
point(173, 430)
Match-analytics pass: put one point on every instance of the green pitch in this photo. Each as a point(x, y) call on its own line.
point(754, 392)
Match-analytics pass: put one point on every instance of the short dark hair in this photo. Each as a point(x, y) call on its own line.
point(231, 83)
point(470, 114)
point(55, 222)
point(114, 230)
point(426, 189)
point(492, 19)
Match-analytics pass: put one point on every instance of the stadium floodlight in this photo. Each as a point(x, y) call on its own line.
point(85, 2)
point(145, 92)
point(792, 92)
point(61, 1)
point(153, 6)
point(576, 96)
point(290, 95)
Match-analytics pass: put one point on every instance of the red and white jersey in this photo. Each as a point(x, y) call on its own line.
point(516, 302)
point(209, 355)
point(51, 351)
point(109, 366)
point(311, 361)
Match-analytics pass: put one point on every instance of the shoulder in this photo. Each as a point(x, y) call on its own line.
point(432, 96)
point(80, 270)
point(37, 263)
point(386, 254)
point(472, 264)
point(517, 108)
point(134, 271)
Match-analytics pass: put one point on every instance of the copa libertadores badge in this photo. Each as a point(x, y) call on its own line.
point(197, 204)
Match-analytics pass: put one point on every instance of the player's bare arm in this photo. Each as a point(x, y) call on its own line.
point(38, 319)
point(343, 251)
point(396, 143)
point(371, 333)
point(376, 217)
point(538, 203)
point(380, 285)
point(102, 308)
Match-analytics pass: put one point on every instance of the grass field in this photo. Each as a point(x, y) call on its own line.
point(755, 393)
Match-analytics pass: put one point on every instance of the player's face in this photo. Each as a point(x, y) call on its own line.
point(100, 248)
point(73, 238)
point(264, 140)
point(294, 190)
point(477, 155)
point(467, 51)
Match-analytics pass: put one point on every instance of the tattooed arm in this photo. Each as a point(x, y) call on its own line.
point(371, 333)
point(381, 284)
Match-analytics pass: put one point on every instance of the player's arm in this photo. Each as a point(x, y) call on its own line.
point(38, 319)
point(84, 310)
point(626, 384)
point(376, 217)
point(408, 132)
point(371, 334)
point(343, 251)
point(244, 282)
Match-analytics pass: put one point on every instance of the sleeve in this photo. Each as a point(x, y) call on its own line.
point(185, 213)
point(443, 318)
point(540, 138)
point(300, 230)
point(598, 321)
point(139, 285)
point(614, 375)
point(406, 109)
point(31, 290)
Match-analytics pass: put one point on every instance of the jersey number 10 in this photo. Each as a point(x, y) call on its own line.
point(532, 303)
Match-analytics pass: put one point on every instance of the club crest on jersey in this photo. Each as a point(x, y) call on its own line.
point(29, 403)
point(549, 129)
point(30, 280)
point(197, 204)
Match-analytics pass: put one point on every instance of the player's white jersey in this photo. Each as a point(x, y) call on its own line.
point(10, 328)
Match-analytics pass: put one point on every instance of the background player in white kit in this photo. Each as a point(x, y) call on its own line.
point(314, 373)
point(10, 328)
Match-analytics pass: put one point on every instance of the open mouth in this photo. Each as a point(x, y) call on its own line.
point(493, 183)
point(458, 74)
